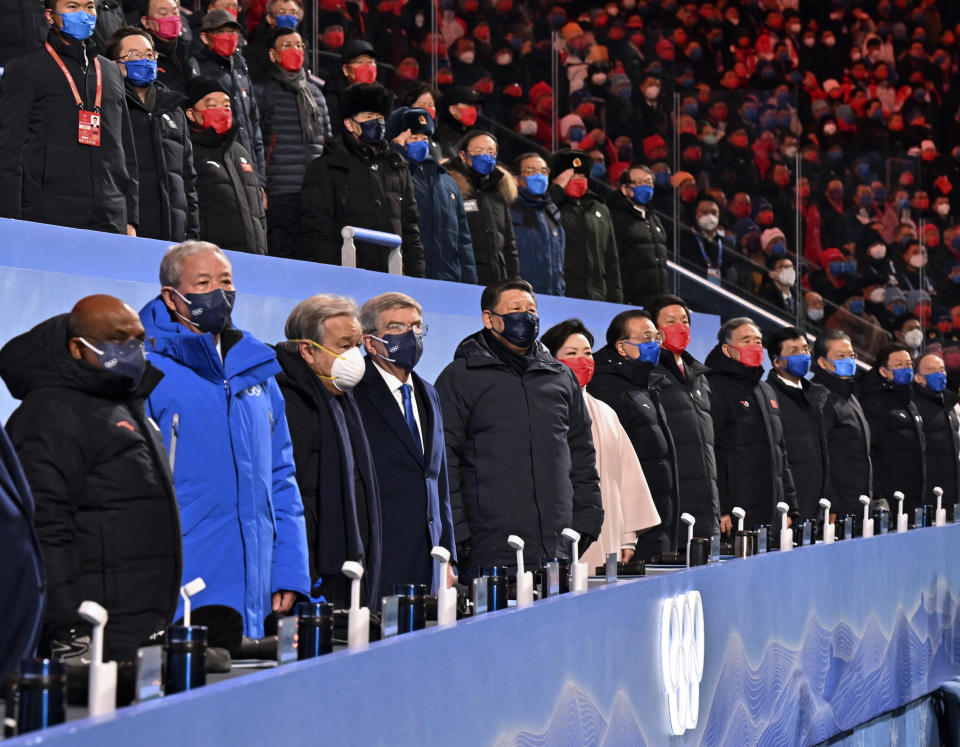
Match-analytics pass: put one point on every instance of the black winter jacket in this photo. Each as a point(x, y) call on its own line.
point(801, 413)
point(520, 456)
point(106, 513)
point(848, 443)
point(231, 211)
point(46, 175)
point(752, 468)
point(168, 181)
point(942, 443)
point(352, 184)
point(591, 267)
point(287, 151)
point(175, 66)
point(22, 28)
point(686, 402)
point(231, 73)
point(634, 390)
point(642, 246)
point(897, 443)
point(110, 17)
point(486, 201)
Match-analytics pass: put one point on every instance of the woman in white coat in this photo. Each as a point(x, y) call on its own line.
point(628, 508)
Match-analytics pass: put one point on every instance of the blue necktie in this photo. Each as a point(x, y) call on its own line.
point(407, 391)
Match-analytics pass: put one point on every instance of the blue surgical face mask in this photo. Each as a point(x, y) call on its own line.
point(141, 73)
point(856, 306)
point(649, 351)
point(778, 249)
point(576, 134)
point(597, 170)
point(287, 22)
point(78, 24)
point(937, 381)
point(519, 327)
point(642, 194)
point(125, 359)
point(898, 308)
point(845, 366)
point(483, 163)
point(797, 365)
point(372, 131)
point(417, 150)
point(403, 350)
point(661, 178)
point(902, 376)
point(537, 184)
point(209, 312)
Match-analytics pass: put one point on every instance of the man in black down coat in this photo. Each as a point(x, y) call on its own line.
point(897, 443)
point(107, 516)
point(231, 213)
point(161, 135)
point(175, 67)
point(801, 413)
point(641, 238)
point(46, 174)
point(520, 456)
point(633, 387)
point(361, 181)
point(488, 192)
point(22, 28)
point(752, 468)
point(685, 397)
point(940, 428)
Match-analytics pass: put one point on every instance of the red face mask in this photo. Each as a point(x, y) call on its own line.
point(928, 155)
point(804, 191)
point(505, 6)
point(482, 33)
point(431, 111)
point(764, 217)
point(922, 204)
point(217, 117)
point(577, 186)
point(945, 325)
point(676, 337)
point(484, 86)
point(365, 72)
point(408, 72)
point(688, 194)
point(168, 27)
point(582, 367)
point(225, 44)
point(291, 59)
point(468, 115)
point(444, 77)
point(922, 312)
point(471, 6)
point(333, 39)
point(750, 355)
point(739, 141)
point(514, 89)
point(741, 210)
point(781, 180)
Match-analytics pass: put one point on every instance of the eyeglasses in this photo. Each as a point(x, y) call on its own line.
point(529, 171)
point(488, 152)
point(399, 328)
point(136, 56)
point(641, 183)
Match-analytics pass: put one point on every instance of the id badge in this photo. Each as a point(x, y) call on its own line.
point(89, 128)
point(714, 274)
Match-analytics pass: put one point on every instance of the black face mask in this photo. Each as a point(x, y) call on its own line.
point(403, 350)
point(519, 327)
point(209, 312)
point(372, 131)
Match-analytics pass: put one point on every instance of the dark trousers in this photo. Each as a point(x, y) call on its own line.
point(283, 226)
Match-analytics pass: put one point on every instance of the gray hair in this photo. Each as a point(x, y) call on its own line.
point(172, 263)
point(306, 320)
point(370, 312)
point(732, 325)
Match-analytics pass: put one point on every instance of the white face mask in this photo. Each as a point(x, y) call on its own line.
point(527, 127)
point(787, 276)
point(598, 79)
point(877, 251)
point(943, 209)
point(651, 92)
point(467, 58)
point(917, 261)
point(815, 315)
point(708, 222)
point(790, 151)
point(348, 369)
point(876, 295)
point(913, 338)
point(829, 129)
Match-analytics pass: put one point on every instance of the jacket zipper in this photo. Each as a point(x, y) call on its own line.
point(174, 435)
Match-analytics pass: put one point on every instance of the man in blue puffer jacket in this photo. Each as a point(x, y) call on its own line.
point(537, 226)
point(222, 418)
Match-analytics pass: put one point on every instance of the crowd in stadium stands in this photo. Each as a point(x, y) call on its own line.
point(805, 158)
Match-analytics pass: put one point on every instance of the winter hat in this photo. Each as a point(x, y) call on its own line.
point(365, 97)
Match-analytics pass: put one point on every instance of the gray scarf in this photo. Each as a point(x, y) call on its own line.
point(310, 123)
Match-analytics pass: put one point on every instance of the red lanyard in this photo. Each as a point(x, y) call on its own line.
point(73, 86)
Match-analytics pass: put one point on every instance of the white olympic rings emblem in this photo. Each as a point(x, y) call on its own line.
point(681, 658)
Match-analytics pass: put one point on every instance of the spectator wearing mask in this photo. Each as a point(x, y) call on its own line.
point(897, 444)
point(358, 64)
point(106, 514)
point(168, 194)
point(164, 21)
point(752, 467)
point(628, 507)
point(296, 126)
point(66, 146)
point(908, 331)
point(591, 267)
point(937, 406)
point(801, 405)
point(231, 213)
point(361, 181)
point(280, 14)
point(685, 397)
point(779, 288)
point(321, 365)
point(489, 191)
point(444, 231)
point(513, 468)
point(626, 380)
point(222, 418)
point(837, 280)
point(456, 116)
point(401, 415)
point(538, 228)
point(217, 58)
point(640, 236)
point(705, 249)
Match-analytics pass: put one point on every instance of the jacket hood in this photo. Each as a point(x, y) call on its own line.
point(477, 353)
point(499, 179)
point(40, 358)
point(722, 365)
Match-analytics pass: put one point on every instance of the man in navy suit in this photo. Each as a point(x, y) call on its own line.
point(401, 415)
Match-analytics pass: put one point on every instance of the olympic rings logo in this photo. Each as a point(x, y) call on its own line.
point(681, 658)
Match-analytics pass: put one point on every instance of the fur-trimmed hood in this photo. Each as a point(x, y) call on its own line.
point(469, 181)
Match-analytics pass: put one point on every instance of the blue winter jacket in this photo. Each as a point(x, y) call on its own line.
point(226, 432)
point(540, 242)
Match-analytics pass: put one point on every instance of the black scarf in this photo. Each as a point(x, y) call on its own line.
point(516, 362)
point(306, 105)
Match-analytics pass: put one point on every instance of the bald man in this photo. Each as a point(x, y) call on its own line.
point(106, 513)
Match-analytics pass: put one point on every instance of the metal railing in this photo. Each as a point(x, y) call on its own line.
point(348, 253)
